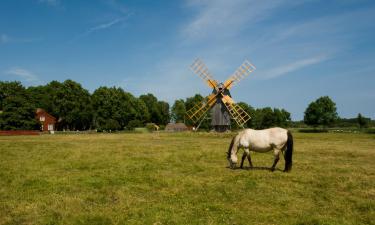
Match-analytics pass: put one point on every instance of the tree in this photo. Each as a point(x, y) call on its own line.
point(163, 108)
point(115, 108)
point(281, 117)
point(17, 113)
point(249, 110)
point(41, 97)
point(178, 111)
point(140, 112)
point(190, 103)
point(153, 108)
point(71, 104)
point(363, 121)
point(267, 117)
point(321, 112)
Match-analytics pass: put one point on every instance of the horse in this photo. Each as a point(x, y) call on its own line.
point(276, 139)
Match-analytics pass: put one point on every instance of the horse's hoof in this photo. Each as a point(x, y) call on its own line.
point(272, 169)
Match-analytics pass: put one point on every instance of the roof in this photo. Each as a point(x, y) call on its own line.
point(176, 126)
point(42, 111)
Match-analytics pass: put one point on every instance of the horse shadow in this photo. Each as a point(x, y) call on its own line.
point(255, 168)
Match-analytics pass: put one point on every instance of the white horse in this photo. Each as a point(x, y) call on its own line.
point(276, 139)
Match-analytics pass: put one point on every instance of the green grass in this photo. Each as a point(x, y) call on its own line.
point(162, 178)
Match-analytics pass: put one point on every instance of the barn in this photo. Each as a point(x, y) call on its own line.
point(47, 121)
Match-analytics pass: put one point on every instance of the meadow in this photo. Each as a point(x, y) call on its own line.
point(183, 178)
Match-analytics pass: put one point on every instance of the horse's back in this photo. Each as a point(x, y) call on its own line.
point(266, 139)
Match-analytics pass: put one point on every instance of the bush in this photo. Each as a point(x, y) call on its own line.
point(313, 130)
point(133, 124)
point(370, 131)
point(141, 130)
point(151, 126)
point(111, 125)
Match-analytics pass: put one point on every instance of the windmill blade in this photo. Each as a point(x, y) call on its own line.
point(237, 113)
point(199, 110)
point(199, 68)
point(243, 71)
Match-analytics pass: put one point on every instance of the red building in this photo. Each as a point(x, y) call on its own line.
point(46, 120)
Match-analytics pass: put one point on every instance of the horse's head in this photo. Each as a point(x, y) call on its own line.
point(232, 156)
point(232, 160)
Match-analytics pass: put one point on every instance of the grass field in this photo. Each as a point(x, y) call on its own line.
point(183, 178)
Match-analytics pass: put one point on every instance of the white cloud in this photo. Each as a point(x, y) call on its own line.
point(106, 25)
point(5, 39)
point(102, 26)
point(294, 66)
point(23, 74)
point(227, 18)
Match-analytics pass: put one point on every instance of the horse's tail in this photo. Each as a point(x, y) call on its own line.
point(289, 152)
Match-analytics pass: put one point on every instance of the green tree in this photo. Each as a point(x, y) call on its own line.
point(250, 111)
point(41, 97)
point(189, 104)
point(153, 108)
point(267, 117)
point(71, 104)
point(321, 112)
point(139, 110)
point(114, 108)
point(362, 121)
point(165, 116)
point(16, 111)
point(281, 117)
point(178, 111)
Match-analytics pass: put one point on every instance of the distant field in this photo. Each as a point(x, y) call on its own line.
point(183, 179)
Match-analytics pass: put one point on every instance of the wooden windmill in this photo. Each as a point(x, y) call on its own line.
point(222, 106)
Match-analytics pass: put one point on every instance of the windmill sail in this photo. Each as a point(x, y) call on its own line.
point(222, 106)
point(243, 71)
point(237, 113)
point(199, 68)
point(199, 110)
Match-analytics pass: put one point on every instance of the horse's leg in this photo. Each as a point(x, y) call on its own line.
point(243, 159)
point(249, 159)
point(276, 158)
point(246, 154)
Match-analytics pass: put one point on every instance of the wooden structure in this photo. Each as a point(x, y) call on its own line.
point(18, 132)
point(48, 122)
point(222, 106)
point(176, 127)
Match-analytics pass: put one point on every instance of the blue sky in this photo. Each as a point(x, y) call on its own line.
point(302, 49)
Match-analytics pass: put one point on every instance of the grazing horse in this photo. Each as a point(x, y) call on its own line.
point(276, 139)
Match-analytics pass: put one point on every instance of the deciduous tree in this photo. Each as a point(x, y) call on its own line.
point(321, 112)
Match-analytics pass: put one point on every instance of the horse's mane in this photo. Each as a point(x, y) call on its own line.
point(230, 147)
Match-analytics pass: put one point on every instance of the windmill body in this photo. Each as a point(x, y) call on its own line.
point(220, 117)
point(219, 102)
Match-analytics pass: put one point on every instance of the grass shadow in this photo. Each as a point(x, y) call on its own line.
point(255, 168)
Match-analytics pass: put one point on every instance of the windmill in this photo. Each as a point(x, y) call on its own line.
point(222, 106)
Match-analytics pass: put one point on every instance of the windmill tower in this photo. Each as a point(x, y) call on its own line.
point(220, 102)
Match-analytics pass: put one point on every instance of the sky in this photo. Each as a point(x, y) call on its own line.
point(302, 49)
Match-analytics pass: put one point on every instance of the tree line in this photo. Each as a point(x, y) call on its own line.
point(260, 118)
point(107, 108)
point(112, 108)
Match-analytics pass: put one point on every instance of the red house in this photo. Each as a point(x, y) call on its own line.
point(46, 120)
